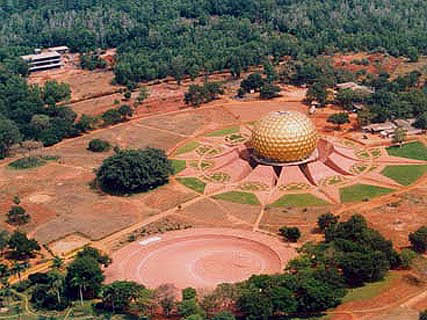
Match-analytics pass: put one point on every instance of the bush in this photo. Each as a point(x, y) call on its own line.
point(291, 234)
point(27, 163)
point(269, 91)
point(406, 257)
point(131, 171)
point(98, 145)
point(17, 216)
point(111, 116)
point(423, 315)
point(418, 240)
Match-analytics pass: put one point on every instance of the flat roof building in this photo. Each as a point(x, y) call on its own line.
point(43, 61)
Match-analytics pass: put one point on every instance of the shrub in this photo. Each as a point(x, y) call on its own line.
point(327, 220)
point(418, 240)
point(269, 91)
point(291, 234)
point(27, 163)
point(17, 216)
point(406, 257)
point(98, 145)
point(131, 171)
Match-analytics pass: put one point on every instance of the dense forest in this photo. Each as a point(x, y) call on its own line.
point(155, 39)
point(177, 37)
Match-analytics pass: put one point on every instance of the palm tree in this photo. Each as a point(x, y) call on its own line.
point(57, 262)
point(56, 284)
point(80, 282)
point(18, 268)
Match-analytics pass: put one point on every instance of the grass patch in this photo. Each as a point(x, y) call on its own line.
point(187, 147)
point(223, 132)
point(359, 192)
point(178, 166)
point(193, 183)
point(369, 290)
point(238, 197)
point(27, 163)
point(413, 150)
point(405, 174)
point(299, 201)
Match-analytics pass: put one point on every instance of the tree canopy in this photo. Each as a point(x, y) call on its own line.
point(131, 171)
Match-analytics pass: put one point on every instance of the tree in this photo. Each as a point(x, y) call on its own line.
point(125, 111)
point(189, 307)
point(84, 277)
point(270, 72)
point(418, 239)
point(224, 315)
point(53, 91)
point(17, 216)
point(291, 234)
point(144, 93)
point(178, 68)
point(131, 171)
point(189, 293)
point(57, 262)
point(406, 257)
point(165, 296)
point(339, 118)
point(359, 267)
point(119, 295)
point(269, 91)
point(4, 239)
point(421, 121)
point(253, 82)
point(423, 315)
point(98, 145)
point(94, 253)
point(18, 268)
point(326, 221)
point(399, 135)
point(317, 92)
point(127, 95)
point(22, 247)
point(111, 117)
point(85, 123)
point(9, 135)
point(364, 117)
point(196, 95)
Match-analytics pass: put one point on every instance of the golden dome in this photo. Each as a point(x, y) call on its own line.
point(284, 136)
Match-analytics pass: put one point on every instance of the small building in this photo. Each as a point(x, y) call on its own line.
point(378, 127)
point(354, 86)
point(43, 61)
point(60, 49)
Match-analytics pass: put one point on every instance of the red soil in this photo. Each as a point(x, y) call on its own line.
point(200, 258)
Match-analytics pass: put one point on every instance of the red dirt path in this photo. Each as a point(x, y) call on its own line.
point(199, 258)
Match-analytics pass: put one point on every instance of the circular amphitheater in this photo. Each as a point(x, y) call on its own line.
point(199, 258)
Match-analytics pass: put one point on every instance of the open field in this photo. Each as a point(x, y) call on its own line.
point(413, 150)
point(67, 212)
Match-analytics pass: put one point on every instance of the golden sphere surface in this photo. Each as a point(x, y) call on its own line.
point(284, 136)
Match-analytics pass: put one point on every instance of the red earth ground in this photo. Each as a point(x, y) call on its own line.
point(66, 211)
point(199, 258)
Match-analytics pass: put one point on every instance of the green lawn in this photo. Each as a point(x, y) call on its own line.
point(223, 132)
point(359, 192)
point(413, 150)
point(369, 290)
point(404, 175)
point(193, 183)
point(238, 197)
point(299, 200)
point(178, 166)
point(187, 147)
